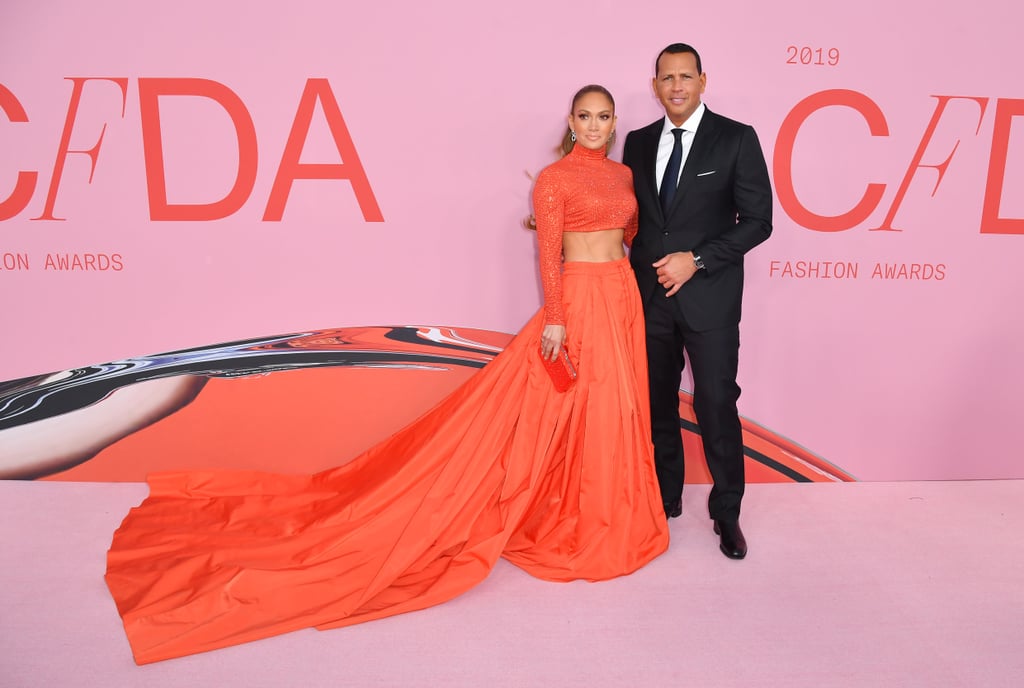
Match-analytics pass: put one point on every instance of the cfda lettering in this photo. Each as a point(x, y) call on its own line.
point(991, 222)
point(151, 91)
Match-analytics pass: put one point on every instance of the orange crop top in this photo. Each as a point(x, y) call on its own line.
point(582, 192)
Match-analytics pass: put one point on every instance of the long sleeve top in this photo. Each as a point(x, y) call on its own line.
point(582, 192)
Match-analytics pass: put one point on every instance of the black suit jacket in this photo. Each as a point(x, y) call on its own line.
point(721, 210)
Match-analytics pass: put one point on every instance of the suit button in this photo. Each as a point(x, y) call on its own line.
point(665, 233)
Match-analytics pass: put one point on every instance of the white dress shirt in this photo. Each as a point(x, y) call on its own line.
point(667, 140)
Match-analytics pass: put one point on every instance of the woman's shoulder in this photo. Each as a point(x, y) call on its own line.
point(619, 168)
point(556, 168)
point(554, 174)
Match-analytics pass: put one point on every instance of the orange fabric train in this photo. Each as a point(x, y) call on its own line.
point(560, 484)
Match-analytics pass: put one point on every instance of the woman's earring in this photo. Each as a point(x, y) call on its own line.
point(573, 137)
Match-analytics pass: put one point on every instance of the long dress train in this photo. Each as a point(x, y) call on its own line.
point(560, 484)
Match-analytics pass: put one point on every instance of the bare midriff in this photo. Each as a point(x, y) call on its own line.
point(593, 247)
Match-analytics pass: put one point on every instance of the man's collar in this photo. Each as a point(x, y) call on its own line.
point(691, 123)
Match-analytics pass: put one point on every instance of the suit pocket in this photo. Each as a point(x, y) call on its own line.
point(709, 180)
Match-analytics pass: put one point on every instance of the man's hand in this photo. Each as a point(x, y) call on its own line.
point(675, 270)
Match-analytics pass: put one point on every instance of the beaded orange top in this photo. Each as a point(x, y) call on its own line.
point(582, 192)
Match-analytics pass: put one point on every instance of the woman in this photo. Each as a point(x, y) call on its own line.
point(561, 484)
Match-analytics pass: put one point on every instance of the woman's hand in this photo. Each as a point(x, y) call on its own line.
point(551, 341)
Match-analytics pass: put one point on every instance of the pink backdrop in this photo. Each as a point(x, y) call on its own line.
point(895, 137)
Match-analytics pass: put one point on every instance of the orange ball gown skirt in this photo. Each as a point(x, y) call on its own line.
point(560, 484)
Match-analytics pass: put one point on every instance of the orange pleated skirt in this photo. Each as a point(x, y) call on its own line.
point(560, 484)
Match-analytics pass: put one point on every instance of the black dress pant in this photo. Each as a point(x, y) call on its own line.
point(714, 359)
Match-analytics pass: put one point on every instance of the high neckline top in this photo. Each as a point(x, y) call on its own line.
point(585, 153)
point(582, 192)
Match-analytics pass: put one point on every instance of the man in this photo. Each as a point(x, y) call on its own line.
point(705, 200)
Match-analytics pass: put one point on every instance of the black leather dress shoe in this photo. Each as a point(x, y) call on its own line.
point(732, 542)
point(674, 508)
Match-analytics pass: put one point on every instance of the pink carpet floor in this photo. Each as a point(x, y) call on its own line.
point(854, 584)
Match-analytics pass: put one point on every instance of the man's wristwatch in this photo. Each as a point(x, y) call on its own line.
point(698, 262)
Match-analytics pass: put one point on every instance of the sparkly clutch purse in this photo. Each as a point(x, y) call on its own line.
point(561, 370)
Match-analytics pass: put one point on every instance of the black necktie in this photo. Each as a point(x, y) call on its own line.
point(671, 178)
